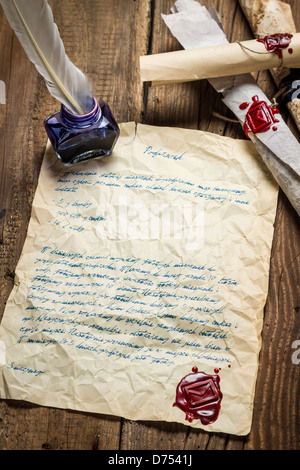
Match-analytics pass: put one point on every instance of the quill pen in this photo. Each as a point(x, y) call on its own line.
point(32, 21)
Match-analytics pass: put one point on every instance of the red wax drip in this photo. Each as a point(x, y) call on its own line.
point(290, 50)
point(276, 42)
point(259, 117)
point(244, 105)
point(199, 396)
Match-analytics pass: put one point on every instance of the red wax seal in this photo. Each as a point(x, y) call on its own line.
point(199, 396)
point(277, 42)
point(260, 117)
point(244, 105)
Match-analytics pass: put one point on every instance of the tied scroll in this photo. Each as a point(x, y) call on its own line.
point(199, 31)
point(270, 17)
point(141, 286)
point(213, 61)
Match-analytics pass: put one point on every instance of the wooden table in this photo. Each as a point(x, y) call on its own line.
point(105, 39)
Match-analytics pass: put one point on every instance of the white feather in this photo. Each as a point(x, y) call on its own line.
point(32, 21)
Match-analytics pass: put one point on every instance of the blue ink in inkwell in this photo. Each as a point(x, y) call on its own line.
point(79, 137)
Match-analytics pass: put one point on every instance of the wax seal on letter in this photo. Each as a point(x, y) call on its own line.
point(199, 396)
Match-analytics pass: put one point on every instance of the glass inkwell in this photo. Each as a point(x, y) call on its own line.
point(80, 137)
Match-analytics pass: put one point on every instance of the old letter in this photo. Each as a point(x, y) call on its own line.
point(139, 270)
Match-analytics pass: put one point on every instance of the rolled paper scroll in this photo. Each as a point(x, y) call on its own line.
point(279, 150)
point(269, 17)
point(216, 61)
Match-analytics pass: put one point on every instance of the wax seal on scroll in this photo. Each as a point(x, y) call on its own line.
point(277, 42)
point(260, 116)
point(199, 396)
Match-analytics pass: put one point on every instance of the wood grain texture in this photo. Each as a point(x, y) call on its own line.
point(105, 40)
